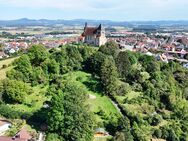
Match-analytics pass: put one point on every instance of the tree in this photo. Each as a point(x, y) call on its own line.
point(86, 52)
point(53, 137)
point(185, 93)
point(16, 75)
point(37, 54)
point(38, 77)
point(74, 57)
point(24, 66)
point(69, 117)
point(141, 132)
point(14, 91)
point(109, 76)
point(123, 64)
point(50, 66)
point(110, 48)
point(143, 76)
point(148, 63)
point(93, 64)
point(156, 120)
point(124, 133)
point(123, 89)
point(157, 133)
point(62, 58)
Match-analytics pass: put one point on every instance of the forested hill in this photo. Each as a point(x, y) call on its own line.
point(77, 82)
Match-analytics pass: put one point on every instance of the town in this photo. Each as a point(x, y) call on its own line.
point(164, 46)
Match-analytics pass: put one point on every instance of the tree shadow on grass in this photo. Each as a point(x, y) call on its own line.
point(93, 84)
point(38, 120)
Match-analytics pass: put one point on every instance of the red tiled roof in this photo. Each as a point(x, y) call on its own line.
point(3, 122)
point(89, 31)
point(11, 139)
point(24, 134)
point(183, 40)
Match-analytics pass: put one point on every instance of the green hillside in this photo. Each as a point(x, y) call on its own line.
point(76, 89)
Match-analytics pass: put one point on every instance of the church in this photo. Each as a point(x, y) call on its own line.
point(94, 35)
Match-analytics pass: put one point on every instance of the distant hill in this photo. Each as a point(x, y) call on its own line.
point(46, 22)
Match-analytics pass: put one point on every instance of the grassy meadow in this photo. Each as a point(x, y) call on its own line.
point(6, 62)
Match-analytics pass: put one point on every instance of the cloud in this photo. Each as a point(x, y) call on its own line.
point(168, 3)
point(102, 9)
point(91, 4)
point(44, 3)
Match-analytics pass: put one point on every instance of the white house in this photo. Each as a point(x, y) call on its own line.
point(12, 51)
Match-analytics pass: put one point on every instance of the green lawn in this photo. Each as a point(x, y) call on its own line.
point(3, 72)
point(100, 102)
point(34, 101)
point(6, 62)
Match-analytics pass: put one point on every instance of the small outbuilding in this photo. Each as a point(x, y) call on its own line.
point(100, 132)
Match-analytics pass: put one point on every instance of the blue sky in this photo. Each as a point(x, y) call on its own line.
point(118, 10)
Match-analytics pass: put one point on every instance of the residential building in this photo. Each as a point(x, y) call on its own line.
point(4, 126)
point(23, 135)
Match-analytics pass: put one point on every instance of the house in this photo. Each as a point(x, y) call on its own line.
point(11, 51)
point(94, 35)
point(23, 135)
point(4, 126)
point(163, 57)
point(11, 139)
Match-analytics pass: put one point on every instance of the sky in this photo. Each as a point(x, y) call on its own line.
point(116, 10)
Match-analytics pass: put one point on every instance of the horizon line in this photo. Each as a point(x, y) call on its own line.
point(95, 20)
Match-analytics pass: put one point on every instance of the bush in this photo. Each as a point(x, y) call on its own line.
point(10, 113)
point(157, 133)
point(4, 66)
point(14, 91)
point(53, 137)
point(156, 119)
point(123, 89)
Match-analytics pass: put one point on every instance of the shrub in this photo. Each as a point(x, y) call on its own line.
point(4, 66)
point(156, 119)
point(157, 133)
point(14, 91)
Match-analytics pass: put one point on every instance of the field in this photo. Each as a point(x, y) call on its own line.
point(3, 71)
point(34, 30)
